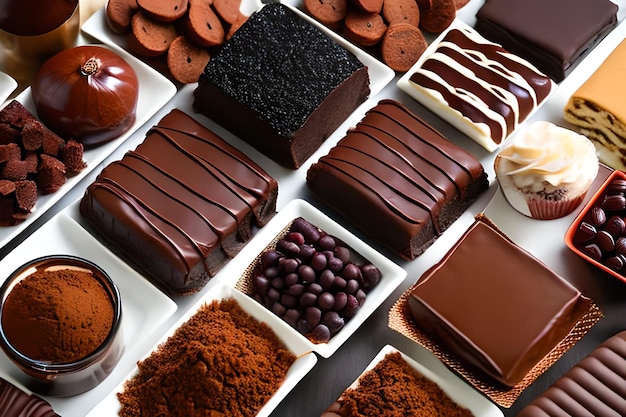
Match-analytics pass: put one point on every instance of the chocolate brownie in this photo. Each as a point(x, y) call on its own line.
point(397, 179)
point(281, 85)
point(181, 205)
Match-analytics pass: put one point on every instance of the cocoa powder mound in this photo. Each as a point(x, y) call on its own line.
point(221, 362)
point(393, 388)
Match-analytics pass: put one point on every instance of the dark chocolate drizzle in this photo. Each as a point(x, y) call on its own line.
point(404, 162)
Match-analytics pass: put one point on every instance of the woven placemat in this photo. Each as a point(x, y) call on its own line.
point(401, 320)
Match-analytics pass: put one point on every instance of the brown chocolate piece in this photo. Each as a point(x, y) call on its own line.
point(364, 28)
point(164, 10)
point(329, 12)
point(186, 60)
point(438, 17)
point(596, 386)
point(17, 403)
point(410, 181)
point(402, 46)
point(228, 10)
point(401, 11)
point(150, 37)
point(203, 25)
point(181, 205)
point(119, 13)
point(494, 306)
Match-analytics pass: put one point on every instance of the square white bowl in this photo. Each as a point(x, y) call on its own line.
point(391, 274)
point(305, 361)
point(454, 387)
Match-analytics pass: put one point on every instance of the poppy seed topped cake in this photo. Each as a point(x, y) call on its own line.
point(397, 179)
point(281, 85)
point(181, 205)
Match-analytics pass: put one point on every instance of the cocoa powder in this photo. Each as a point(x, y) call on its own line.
point(57, 316)
point(220, 362)
point(393, 388)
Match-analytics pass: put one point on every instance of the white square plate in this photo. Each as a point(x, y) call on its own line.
point(154, 92)
point(144, 307)
point(459, 391)
point(441, 109)
point(305, 361)
point(392, 274)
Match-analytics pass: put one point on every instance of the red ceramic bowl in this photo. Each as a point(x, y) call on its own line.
point(601, 244)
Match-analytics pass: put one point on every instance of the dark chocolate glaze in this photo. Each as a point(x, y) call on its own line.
point(16, 403)
point(181, 204)
point(281, 85)
point(397, 179)
point(494, 306)
point(596, 386)
point(496, 72)
point(552, 34)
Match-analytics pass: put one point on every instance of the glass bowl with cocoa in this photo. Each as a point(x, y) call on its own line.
point(60, 320)
point(598, 233)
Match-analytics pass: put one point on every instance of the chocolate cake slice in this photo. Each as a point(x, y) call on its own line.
point(598, 108)
point(397, 179)
point(494, 306)
point(17, 403)
point(181, 205)
point(554, 35)
point(281, 85)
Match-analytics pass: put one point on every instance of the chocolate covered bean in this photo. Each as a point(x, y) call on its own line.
point(311, 280)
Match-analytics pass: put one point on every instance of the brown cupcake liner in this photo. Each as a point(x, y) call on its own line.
point(547, 210)
point(401, 320)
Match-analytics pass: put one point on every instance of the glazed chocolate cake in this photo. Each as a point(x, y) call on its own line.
point(554, 35)
point(596, 386)
point(397, 179)
point(598, 108)
point(494, 306)
point(477, 86)
point(17, 403)
point(181, 204)
point(281, 85)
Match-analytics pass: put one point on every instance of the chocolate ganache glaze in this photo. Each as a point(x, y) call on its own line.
point(595, 386)
point(494, 306)
point(480, 81)
point(181, 204)
point(17, 403)
point(554, 35)
point(408, 181)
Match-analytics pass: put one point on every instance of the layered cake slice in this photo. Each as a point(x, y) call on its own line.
point(281, 85)
point(397, 179)
point(477, 86)
point(181, 204)
point(554, 35)
point(598, 108)
point(494, 306)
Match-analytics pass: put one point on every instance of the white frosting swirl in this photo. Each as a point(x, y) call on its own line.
point(547, 153)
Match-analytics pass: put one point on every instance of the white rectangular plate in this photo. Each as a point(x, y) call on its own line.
point(154, 92)
point(144, 307)
point(304, 363)
point(392, 274)
point(459, 391)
